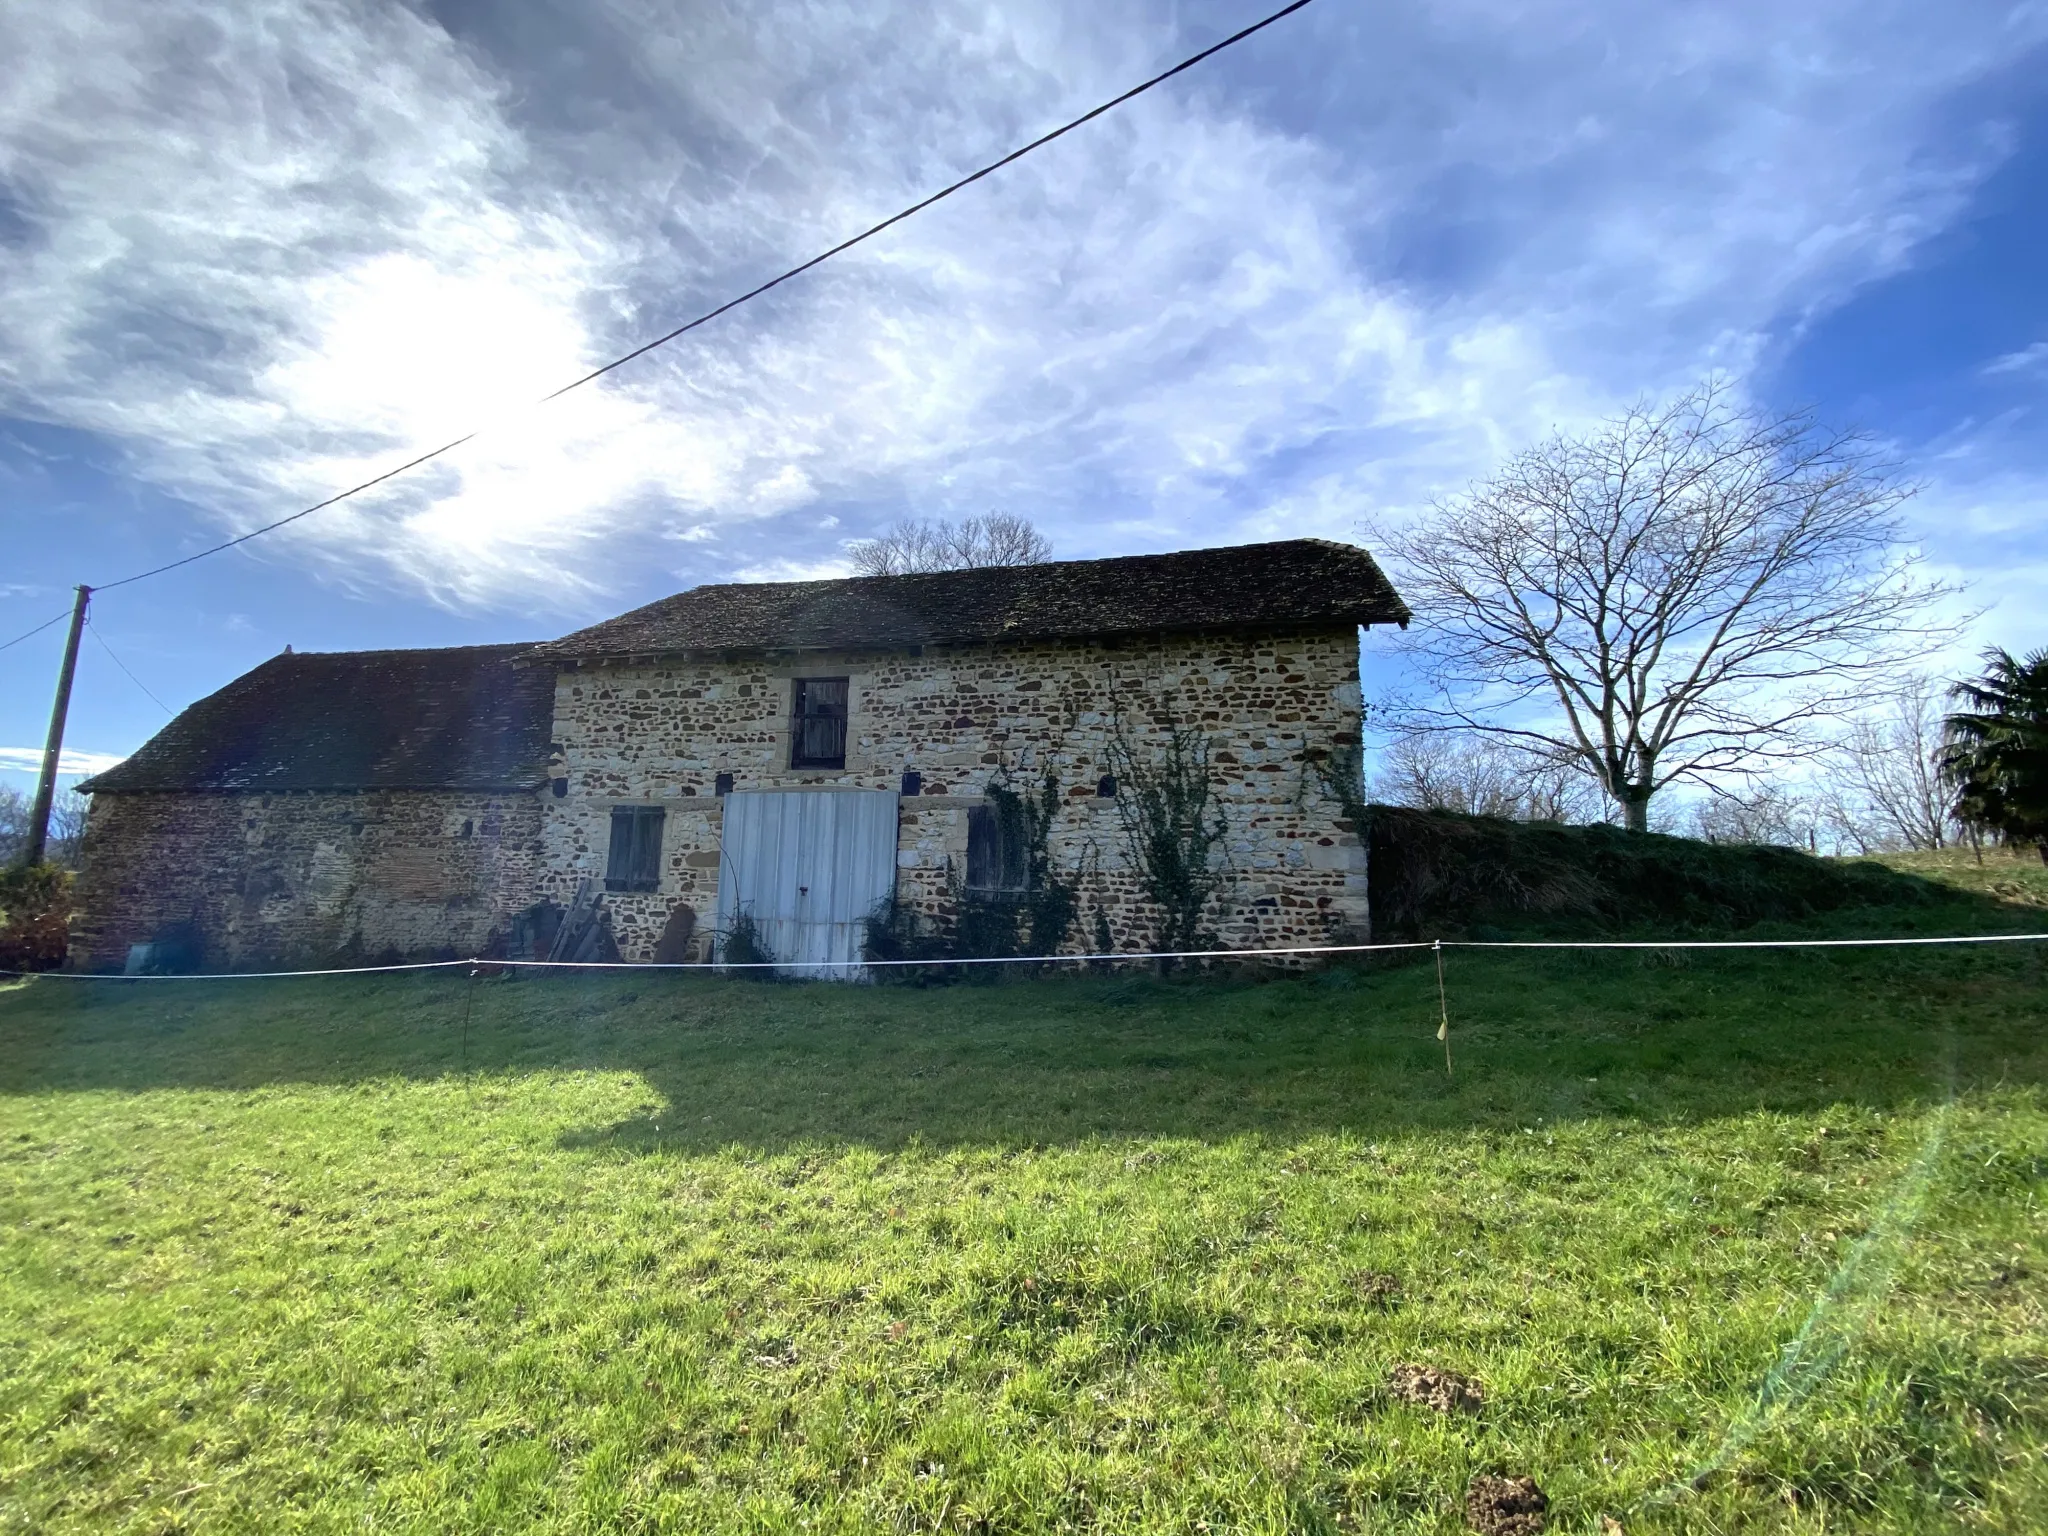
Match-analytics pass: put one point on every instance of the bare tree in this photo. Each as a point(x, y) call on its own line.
point(1886, 789)
point(14, 809)
point(1449, 771)
point(1770, 817)
point(1000, 538)
point(1559, 789)
point(1437, 771)
point(1680, 595)
point(67, 826)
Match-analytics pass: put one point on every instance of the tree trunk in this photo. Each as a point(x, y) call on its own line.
point(1635, 813)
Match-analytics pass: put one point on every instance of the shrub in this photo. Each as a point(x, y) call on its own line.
point(1034, 918)
point(898, 932)
point(1436, 871)
point(35, 917)
point(741, 944)
point(1174, 832)
point(1040, 920)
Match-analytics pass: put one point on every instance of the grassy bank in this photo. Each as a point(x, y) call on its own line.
point(1736, 1240)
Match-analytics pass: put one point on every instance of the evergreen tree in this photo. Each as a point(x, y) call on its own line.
point(1997, 749)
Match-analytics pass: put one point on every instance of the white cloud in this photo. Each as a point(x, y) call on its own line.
point(1985, 534)
point(2028, 359)
point(70, 763)
point(277, 245)
point(794, 570)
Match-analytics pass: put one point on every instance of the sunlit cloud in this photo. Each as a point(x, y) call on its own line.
point(70, 763)
point(277, 248)
point(795, 570)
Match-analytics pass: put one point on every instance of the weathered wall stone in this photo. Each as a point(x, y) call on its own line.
point(292, 877)
point(299, 876)
point(662, 732)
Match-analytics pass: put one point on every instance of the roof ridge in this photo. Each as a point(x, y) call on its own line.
point(409, 650)
point(1033, 566)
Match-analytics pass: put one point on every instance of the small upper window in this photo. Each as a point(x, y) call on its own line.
point(995, 858)
point(817, 726)
point(635, 861)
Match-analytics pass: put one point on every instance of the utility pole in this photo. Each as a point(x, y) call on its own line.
point(46, 786)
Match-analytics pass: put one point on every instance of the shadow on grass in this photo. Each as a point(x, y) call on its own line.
point(1652, 1036)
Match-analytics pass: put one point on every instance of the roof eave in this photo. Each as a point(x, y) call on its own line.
point(521, 787)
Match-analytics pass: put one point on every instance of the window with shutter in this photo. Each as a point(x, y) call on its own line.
point(817, 727)
point(634, 863)
point(995, 861)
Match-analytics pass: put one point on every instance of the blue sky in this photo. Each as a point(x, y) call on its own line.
point(250, 252)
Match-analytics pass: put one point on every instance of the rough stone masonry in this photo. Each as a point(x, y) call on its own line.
point(959, 718)
point(411, 802)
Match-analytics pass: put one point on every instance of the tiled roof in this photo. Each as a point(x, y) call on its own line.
point(460, 718)
point(1253, 586)
point(474, 717)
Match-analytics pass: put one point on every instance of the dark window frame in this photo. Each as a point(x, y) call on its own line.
point(994, 869)
point(633, 858)
point(820, 710)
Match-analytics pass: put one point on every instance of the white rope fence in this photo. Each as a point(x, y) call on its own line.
point(721, 966)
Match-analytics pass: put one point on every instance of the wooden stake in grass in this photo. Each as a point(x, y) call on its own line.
point(468, 997)
point(1443, 1007)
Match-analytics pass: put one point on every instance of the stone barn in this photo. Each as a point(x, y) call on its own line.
point(359, 803)
point(802, 755)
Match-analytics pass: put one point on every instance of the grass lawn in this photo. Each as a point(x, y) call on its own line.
point(1737, 1240)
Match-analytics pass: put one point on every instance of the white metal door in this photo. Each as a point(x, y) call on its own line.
point(809, 865)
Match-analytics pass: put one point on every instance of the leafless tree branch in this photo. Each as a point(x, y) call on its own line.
point(1689, 589)
point(999, 538)
point(1483, 776)
point(1886, 789)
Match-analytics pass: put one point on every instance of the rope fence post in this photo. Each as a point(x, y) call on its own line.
point(1443, 1006)
point(468, 998)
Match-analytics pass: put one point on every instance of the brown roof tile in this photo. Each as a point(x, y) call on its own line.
point(460, 718)
point(1253, 586)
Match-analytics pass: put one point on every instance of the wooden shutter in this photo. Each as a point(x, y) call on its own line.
point(633, 862)
point(995, 862)
point(984, 848)
point(817, 727)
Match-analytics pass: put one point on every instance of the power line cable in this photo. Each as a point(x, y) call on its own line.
point(56, 619)
point(753, 293)
point(138, 682)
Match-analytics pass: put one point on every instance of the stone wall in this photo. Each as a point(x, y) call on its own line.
point(304, 876)
point(661, 733)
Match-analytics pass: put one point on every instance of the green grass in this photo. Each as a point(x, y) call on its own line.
point(2014, 878)
point(1731, 1241)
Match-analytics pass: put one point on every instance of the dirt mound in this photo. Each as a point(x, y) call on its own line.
point(1377, 1289)
point(1505, 1506)
point(1445, 1391)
